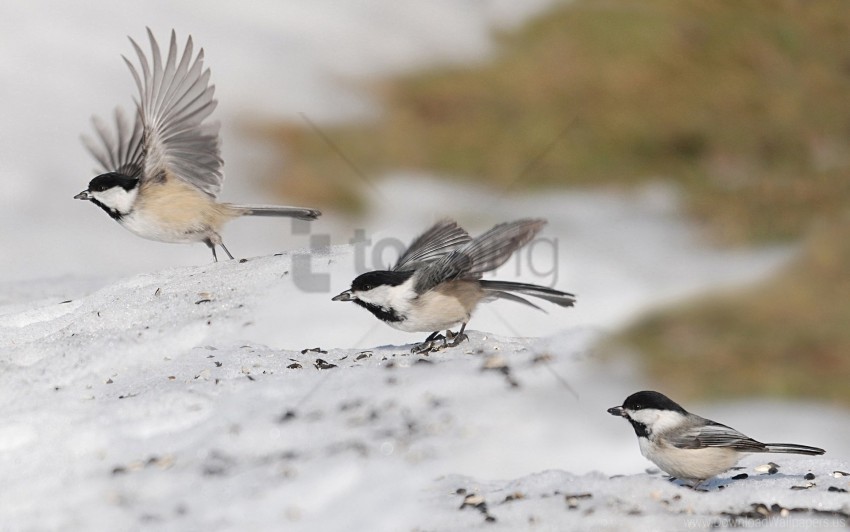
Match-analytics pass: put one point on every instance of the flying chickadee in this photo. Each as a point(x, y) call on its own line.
point(437, 283)
point(687, 446)
point(162, 168)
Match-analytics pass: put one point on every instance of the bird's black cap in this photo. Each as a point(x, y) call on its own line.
point(370, 280)
point(651, 399)
point(110, 180)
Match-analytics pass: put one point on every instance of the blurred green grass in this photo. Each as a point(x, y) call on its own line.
point(743, 104)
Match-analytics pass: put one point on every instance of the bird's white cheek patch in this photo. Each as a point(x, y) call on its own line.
point(666, 419)
point(657, 420)
point(117, 198)
point(380, 295)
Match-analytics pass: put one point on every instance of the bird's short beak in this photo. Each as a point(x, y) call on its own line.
point(84, 195)
point(345, 296)
point(617, 411)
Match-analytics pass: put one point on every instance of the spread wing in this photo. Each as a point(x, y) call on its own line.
point(715, 435)
point(122, 151)
point(482, 254)
point(174, 100)
point(169, 133)
point(433, 244)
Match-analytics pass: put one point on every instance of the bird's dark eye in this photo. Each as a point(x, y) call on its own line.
point(368, 287)
point(637, 407)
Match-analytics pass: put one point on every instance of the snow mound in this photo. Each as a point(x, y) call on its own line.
point(556, 500)
point(149, 403)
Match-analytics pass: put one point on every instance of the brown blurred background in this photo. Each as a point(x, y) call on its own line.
point(742, 105)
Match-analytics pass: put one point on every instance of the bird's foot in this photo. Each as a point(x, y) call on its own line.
point(432, 343)
point(454, 340)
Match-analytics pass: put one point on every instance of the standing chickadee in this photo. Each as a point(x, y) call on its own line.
point(163, 169)
point(687, 446)
point(437, 283)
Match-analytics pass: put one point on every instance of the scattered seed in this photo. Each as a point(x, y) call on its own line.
point(473, 499)
point(572, 500)
point(769, 467)
point(158, 292)
point(460, 491)
point(836, 489)
point(546, 357)
point(806, 486)
point(294, 365)
point(839, 474)
point(205, 300)
point(740, 476)
point(314, 350)
point(218, 364)
point(809, 476)
point(243, 261)
point(108, 381)
point(323, 364)
point(494, 362)
point(364, 354)
point(286, 416)
point(515, 496)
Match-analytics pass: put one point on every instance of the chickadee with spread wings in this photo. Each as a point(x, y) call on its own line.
point(437, 283)
point(162, 169)
point(687, 446)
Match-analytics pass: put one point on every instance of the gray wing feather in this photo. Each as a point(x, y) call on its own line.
point(433, 244)
point(482, 254)
point(493, 248)
point(715, 435)
point(121, 152)
point(448, 268)
point(174, 100)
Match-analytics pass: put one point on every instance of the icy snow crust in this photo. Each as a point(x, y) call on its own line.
point(143, 405)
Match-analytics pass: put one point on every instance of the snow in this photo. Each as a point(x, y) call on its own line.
point(144, 387)
point(148, 403)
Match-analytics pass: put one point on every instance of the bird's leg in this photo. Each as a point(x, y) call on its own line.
point(697, 484)
point(428, 345)
point(210, 245)
point(212, 242)
point(457, 338)
point(225, 250)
